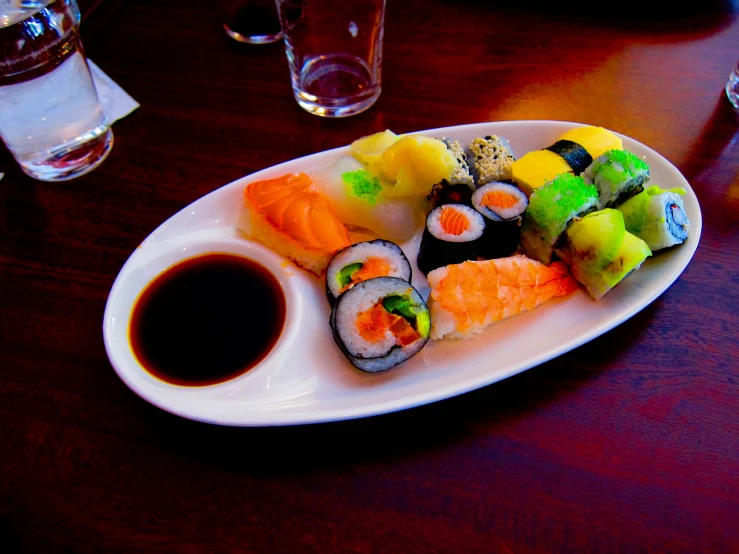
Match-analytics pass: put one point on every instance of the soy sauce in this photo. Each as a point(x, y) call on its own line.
point(207, 320)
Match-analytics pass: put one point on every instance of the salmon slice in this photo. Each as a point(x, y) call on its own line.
point(373, 324)
point(453, 221)
point(289, 215)
point(466, 298)
point(499, 199)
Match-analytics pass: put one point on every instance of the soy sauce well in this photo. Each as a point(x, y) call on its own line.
point(207, 320)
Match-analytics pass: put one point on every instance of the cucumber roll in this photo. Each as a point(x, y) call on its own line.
point(380, 323)
point(551, 209)
point(362, 261)
point(501, 205)
point(452, 235)
point(657, 217)
point(618, 174)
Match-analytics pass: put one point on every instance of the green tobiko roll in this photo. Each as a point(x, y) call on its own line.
point(551, 209)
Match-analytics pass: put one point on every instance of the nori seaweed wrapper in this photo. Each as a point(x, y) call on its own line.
point(574, 154)
point(450, 194)
point(500, 239)
point(435, 252)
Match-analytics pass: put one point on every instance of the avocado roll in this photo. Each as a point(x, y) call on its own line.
point(600, 252)
point(452, 235)
point(380, 323)
point(362, 261)
point(657, 216)
point(502, 205)
point(618, 174)
point(551, 209)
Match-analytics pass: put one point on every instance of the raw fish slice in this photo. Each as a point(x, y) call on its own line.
point(465, 298)
point(289, 215)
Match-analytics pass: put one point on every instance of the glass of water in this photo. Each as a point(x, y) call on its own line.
point(51, 119)
point(334, 49)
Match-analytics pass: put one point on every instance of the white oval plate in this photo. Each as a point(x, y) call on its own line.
point(305, 379)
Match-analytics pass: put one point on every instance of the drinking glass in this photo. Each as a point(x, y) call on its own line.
point(250, 21)
point(334, 49)
point(50, 116)
point(732, 87)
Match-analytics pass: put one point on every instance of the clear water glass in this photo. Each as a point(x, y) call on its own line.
point(334, 49)
point(51, 119)
point(732, 87)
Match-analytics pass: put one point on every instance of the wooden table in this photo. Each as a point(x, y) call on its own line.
point(629, 443)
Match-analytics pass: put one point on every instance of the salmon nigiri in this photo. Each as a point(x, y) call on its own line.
point(289, 215)
point(467, 297)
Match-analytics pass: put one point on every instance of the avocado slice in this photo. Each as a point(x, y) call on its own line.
point(596, 238)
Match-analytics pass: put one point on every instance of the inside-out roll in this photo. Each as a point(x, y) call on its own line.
point(551, 209)
point(618, 174)
point(657, 216)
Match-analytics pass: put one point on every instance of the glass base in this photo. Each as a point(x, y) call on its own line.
point(72, 160)
point(252, 39)
point(336, 85)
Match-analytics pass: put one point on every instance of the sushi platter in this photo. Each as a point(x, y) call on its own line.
point(412, 268)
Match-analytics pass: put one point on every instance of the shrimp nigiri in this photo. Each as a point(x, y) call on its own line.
point(467, 297)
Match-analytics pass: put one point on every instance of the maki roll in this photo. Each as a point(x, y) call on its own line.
point(460, 184)
point(657, 217)
point(452, 235)
point(501, 205)
point(618, 174)
point(600, 252)
point(362, 261)
point(450, 194)
point(492, 159)
point(380, 323)
point(572, 153)
point(551, 209)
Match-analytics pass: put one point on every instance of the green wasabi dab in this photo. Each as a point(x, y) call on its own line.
point(363, 184)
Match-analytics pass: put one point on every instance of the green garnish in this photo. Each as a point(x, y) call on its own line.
point(620, 166)
point(363, 184)
point(400, 305)
point(346, 273)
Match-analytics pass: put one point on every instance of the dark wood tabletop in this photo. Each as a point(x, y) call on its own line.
point(629, 443)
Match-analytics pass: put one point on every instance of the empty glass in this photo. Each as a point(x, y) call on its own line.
point(334, 49)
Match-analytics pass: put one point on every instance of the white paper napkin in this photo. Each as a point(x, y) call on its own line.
point(117, 103)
